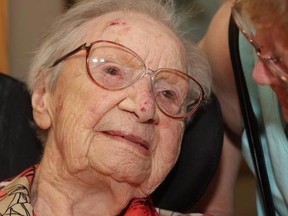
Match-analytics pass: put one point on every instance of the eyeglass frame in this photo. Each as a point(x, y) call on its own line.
point(272, 62)
point(87, 47)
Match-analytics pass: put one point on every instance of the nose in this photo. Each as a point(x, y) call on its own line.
point(262, 75)
point(140, 101)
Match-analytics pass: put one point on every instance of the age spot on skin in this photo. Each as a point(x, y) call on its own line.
point(117, 22)
point(59, 108)
point(144, 105)
point(120, 25)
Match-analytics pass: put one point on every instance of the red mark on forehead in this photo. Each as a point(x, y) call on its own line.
point(117, 22)
point(119, 25)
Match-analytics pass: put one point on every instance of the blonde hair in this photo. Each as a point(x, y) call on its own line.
point(264, 13)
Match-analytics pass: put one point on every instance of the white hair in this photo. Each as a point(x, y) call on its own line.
point(66, 34)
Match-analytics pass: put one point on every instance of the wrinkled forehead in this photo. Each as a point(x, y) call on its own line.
point(153, 41)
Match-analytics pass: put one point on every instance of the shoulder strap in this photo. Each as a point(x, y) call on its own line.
point(250, 121)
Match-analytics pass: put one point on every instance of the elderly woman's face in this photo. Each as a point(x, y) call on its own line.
point(121, 135)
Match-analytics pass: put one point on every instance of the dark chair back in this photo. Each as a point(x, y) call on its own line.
point(19, 146)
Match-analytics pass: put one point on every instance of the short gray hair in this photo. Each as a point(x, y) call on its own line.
point(66, 34)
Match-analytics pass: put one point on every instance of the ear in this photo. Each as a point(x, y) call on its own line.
point(40, 105)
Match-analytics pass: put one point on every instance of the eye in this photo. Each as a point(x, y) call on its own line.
point(169, 94)
point(108, 70)
point(168, 100)
point(110, 75)
point(111, 70)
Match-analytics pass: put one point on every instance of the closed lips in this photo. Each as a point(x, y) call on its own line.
point(130, 137)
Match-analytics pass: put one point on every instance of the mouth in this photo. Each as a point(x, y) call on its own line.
point(139, 141)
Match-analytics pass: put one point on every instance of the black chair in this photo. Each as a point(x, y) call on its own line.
point(19, 146)
point(201, 147)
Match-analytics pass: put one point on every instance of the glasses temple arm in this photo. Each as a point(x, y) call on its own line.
point(81, 47)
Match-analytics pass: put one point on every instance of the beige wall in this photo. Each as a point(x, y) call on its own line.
point(28, 19)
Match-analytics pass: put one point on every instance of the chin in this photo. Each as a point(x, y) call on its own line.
point(150, 186)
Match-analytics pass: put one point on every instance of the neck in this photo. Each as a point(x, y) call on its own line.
point(57, 192)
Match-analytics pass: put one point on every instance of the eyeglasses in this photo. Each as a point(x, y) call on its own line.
point(113, 66)
point(274, 64)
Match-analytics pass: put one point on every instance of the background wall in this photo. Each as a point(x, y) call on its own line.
point(203, 11)
point(27, 20)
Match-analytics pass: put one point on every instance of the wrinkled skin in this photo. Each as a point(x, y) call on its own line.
point(93, 157)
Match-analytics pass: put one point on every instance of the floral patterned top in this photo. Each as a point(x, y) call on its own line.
point(14, 194)
point(15, 199)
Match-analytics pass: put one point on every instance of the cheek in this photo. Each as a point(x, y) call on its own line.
point(99, 106)
point(168, 148)
point(82, 106)
point(262, 75)
point(166, 153)
point(75, 115)
point(70, 134)
point(170, 139)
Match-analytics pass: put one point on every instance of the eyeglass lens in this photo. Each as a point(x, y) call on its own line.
point(114, 67)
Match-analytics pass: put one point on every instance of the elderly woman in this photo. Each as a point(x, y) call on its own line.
point(111, 86)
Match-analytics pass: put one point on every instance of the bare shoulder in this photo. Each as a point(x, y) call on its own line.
point(215, 44)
